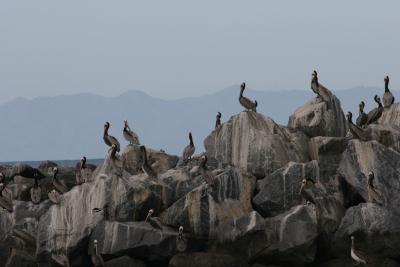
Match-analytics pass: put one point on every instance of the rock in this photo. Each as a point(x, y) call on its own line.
point(47, 166)
point(348, 262)
point(256, 144)
point(19, 258)
point(206, 259)
point(124, 261)
point(391, 115)
point(202, 209)
point(320, 117)
point(376, 229)
point(136, 237)
point(362, 157)
point(279, 192)
point(287, 239)
point(387, 135)
point(160, 161)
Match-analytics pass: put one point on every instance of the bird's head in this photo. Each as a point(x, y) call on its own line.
point(151, 211)
point(243, 85)
point(303, 182)
point(83, 159)
point(219, 114)
point(352, 237)
point(55, 170)
point(371, 174)
point(180, 229)
point(349, 116)
point(314, 73)
point(95, 241)
point(106, 125)
point(386, 78)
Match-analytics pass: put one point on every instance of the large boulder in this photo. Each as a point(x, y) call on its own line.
point(376, 230)
point(391, 115)
point(204, 208)
point(124, 261)
point(362, 157)
point(320, 116)
point(256, 144)
point(279, 192)
point(139, 239)
point(288, 239)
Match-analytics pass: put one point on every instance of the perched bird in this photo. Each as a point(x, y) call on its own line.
point(83, 171)
point(356, 255)
point(58, 185)
point(108, 139)
point(356, 131)
point(189, 150)
point(376, 113)
point(181, 242)
point(362, 116)
point(154, 223)
point(218, 120)
point(61, 259)
point(245, 102)
point(388, 98)
point(147, 169)
point(5, 202)
point(371, 177)
point(315, 84)
point(304, 193)
point(207, 176)
point(129, 135)
point(36, 192)
point(114, 151)
point(54, 196)
point(97, 259)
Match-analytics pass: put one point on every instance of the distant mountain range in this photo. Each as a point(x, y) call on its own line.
point(69, 126)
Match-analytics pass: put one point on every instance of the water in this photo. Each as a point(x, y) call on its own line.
point(65, 163)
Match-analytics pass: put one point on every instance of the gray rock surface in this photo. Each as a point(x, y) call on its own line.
point(124, 261)
point(320, 117)
point(256, 144)
point(202, 259)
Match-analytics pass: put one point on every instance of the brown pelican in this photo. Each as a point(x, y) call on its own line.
point(376, 113)
point(61, 259)
point(304, 193)
point(152, 221)
point(356, 255)
point(36, 192)
point(245, 102)
point(147, 169)
point(387, 98)
point(315, 84)
point(189, 149)
point(371, 177)
point(207, 176)
point(362, 116)
point(181, 242)
point(356, 131)
point(108, 139)
point(83, 171)
point(129, 135)
point(54, 196)
point(5, 202)
point(218, 120)
point(58, 185)
point(97, 259)
point(114, 152)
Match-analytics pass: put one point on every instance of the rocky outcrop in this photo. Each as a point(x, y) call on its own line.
point(320, 117)
point(124, 261)
point(202, 259)
point(391, 115)
point(205, 207)
point(256, 144)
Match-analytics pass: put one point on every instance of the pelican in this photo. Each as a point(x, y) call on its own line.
point(218, 120)
point(356, 131)
point(97, 259)
point(315, 84)
point(5, 202)
point(181, 242)
point(388, 98)
point(147, 169)
point(83, 171)
point(189, 149)
point(152, 221)
point(376, 113)
point(113, 151)
point(36, 192)
point(108, 139)
point(362, 116)
point(304, 193)
point(356, 255)
point(245, 102)
point(207, 176)
point(129, 135)
point(58, 185)
point(54, 196)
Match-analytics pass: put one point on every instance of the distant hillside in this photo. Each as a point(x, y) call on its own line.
point(69, 126)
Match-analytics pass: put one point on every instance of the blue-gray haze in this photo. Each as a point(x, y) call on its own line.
point(174, 50)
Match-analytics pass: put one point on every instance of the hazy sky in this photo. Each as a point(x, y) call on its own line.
point(185, 48)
